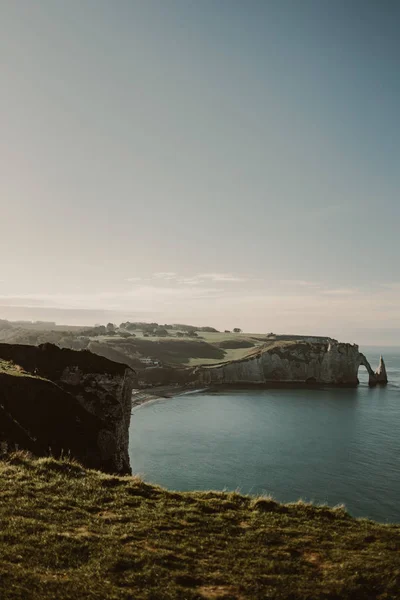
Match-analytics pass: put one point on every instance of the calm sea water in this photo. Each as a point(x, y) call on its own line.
point(327, 445)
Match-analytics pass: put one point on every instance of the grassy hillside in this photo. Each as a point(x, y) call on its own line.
point(207, 348)
point(204, 348)
point(68, 533)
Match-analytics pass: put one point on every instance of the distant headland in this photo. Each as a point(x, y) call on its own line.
point(180, 354)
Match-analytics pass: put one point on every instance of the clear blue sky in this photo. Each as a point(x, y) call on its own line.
point(221, 162)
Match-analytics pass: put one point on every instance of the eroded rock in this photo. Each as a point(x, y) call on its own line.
point(298, 363)
point(66, 401)
point(380, 373)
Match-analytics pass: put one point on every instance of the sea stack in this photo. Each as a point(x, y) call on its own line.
point(380, 373)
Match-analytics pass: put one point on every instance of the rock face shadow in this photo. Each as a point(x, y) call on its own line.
point(66, 402)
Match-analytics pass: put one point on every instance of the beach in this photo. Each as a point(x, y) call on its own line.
point(141, 396)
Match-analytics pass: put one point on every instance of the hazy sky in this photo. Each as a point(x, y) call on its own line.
point(220, 162)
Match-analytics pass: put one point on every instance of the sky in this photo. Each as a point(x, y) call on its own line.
point(217, 162)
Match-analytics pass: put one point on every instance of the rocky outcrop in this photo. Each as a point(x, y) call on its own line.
point(300, 363)
point(63, 401)
point(371, 375)
point(380, 373)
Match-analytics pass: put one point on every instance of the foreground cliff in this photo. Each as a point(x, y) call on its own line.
point(295, 363)
point(62, 401)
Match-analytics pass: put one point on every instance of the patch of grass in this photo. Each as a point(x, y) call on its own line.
point(235, 344)
point(174, 351)
point(10, 368)
point(67, 532)
point(229, 355)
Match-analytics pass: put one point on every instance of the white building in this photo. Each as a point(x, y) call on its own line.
point(150, 362)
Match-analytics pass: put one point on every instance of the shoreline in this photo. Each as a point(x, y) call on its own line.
point(150, 394)
point(146, 395)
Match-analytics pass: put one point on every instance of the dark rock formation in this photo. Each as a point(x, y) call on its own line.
point(63, 401)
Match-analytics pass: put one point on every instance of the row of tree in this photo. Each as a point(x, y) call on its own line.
point(151, 329)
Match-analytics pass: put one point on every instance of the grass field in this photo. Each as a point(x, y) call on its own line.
point(69, 533)
point(207, 348)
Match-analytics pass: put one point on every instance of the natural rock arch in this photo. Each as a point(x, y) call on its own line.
point(375, 377)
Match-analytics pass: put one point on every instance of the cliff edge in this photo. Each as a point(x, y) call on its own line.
point(69, 532)
point(59, 401)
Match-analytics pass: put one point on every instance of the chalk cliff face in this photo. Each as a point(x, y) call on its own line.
point(68, 401)
point(296, 363)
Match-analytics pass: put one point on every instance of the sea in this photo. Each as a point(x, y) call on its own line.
point(324, 445)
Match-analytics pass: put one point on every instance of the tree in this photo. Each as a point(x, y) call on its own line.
point(161, 332)
point(237, 330)
point(149, 329)
point(186, 328)
point(94, 331)
point(226, 331)
point(111, 327)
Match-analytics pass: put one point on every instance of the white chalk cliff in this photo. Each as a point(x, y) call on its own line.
point(294, 363)
point(380, 373)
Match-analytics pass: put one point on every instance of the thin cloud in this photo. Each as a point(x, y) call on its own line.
point(220, 277)
point(133, 279)
point(175, 293)
point(140, 296)
point(189, 280)
point(394, 285)
point(199, 278)
point(167, 275)
point(337, 311)
point(340, 292)
point(299, 282)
